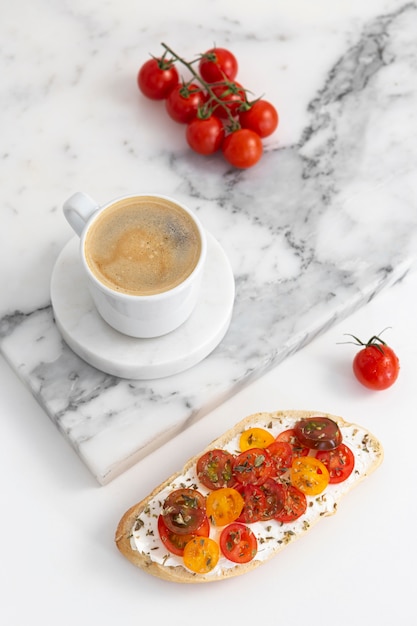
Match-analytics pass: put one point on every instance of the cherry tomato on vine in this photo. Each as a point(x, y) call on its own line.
point(261, 117)
point(233, 97)
point(156, 78)
point(218, 64)
point(238, 543)
point(242, 148)
point(376, 366)
point(184, 101)
point(205, 136)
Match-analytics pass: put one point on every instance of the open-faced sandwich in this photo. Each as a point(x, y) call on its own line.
point(240, 501)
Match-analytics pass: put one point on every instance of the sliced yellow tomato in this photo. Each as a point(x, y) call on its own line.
point(255, 438)
point(309, 475)
point(201, 554)
point(224, 506)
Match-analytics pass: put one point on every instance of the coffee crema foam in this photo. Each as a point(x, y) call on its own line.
point(143, 246)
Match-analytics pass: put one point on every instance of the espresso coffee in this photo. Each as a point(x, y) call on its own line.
point(143, 246)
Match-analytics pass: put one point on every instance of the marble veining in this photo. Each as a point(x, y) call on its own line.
point(324, 222)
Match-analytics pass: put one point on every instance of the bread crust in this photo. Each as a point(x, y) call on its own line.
point(179, 573)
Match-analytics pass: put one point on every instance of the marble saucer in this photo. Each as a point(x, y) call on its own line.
point(89, 336)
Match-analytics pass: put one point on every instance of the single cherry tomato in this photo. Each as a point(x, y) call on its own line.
point(242, 148)
point(201, 555)
point(176, 543)
point(340, 462)
point(295, 505)
point(232, 96)
point(214, 469)
point(309, 475)
point(253, 466)
point(184, 101)
point(224, 506)
point(255, 438)
point(275, 498)
point(288, 436)
point(184, 511)
point(376, 366)
point(156, 78)
point(261, 117)
point(254, 504)
point(218, 64)
point(318, 433)
point(205, 136)
point(282, 455)
point(238, 543)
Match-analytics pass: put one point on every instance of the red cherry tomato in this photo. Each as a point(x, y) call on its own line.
point(281, 452)
point(218, 64)
point(242, 148)
point(232, 95)
point(214, 469)
point(254, 506)
point(184, 101)
point(295, 505)
point(376, 366)
point(253, 466)
point(275, 498)
point(156, 78)
point(176, 543)
point(339, 462)
point(262, 117)
point(289, 437)
point(238, 543)
point(205, 136)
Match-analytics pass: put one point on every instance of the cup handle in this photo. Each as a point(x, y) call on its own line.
point(78, 209)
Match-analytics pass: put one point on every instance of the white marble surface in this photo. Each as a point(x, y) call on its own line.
point(324, 222)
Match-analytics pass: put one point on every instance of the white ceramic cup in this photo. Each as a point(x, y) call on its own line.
point(141, 316)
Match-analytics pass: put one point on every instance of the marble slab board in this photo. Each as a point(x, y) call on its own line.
point(323, 223)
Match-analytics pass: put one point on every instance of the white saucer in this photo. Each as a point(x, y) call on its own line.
point(98, 344)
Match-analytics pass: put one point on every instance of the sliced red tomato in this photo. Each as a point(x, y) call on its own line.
point(184, 511)
point(290, 437)
point(224, 506)
point(201, 555)
point(255, 438)
point(340, 462)
point(254, 504)
point(214, 469)
point(318, 433)
point(238, 543)
point(282, 454)
point(176, 543)
point(275, 498)
point(253, 466)
point(309, 475)
point(295, 505)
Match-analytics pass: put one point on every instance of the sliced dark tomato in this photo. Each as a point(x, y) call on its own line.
point(176, 543)
point(340, 462)
point(214, 469)
point(184, 511)
point(318, 433)
point(255, 504)
point(289, 437)
point(281, 452)
point(238, 543)
point(275, 498)
point(253, 466)
point(295, 505)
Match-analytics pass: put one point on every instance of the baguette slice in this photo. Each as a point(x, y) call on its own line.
point(137, 536)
